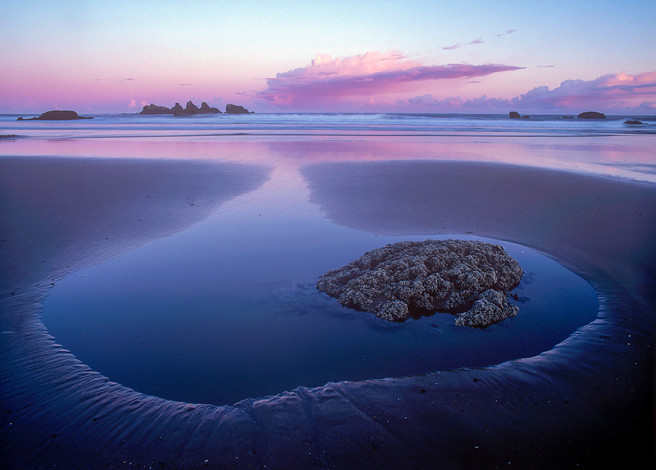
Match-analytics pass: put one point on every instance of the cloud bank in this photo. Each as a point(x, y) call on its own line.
point(619, 93)
point(378, 81)
point(328, 79)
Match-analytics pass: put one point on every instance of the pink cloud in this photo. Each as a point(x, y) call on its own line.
point(330, 79)
point(610, 93)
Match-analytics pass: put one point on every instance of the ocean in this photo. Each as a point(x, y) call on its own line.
point(317, 124)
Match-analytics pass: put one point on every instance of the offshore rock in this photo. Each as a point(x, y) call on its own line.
point(56, 115)
point(206, 109)
point(236, 109)
point(177, 109)
point(155, 109)
point(191, 109)
point(469, 278)
point(591, 115)
point(513, 115)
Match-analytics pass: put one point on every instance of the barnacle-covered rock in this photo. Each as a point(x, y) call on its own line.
point(470, 278)
point(490, 307)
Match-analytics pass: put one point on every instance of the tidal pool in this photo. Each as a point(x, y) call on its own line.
point(227, 309)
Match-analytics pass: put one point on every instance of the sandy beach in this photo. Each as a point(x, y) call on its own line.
point(587, 401)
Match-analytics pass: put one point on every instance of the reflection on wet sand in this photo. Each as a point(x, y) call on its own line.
point(61, 214)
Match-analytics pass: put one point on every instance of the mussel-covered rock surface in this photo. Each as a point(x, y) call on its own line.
point(468, 278)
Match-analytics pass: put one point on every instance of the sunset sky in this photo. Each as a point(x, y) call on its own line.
point(312, 56)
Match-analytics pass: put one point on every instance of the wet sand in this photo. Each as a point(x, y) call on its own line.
point(587, 401)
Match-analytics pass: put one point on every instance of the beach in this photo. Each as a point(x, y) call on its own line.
point(588, 400)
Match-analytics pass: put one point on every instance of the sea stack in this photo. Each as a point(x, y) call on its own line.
point(591, 115)
point(57, 115)
point(155, 109)
point(236, 109)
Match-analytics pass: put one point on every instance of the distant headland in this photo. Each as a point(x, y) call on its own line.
point(191, 109)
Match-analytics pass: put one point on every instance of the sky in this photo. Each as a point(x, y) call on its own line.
point(466, 56)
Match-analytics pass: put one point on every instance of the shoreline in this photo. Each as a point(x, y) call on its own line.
point(537, 412)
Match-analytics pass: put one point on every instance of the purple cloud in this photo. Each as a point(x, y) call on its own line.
point(329, 79)
point(614, 92)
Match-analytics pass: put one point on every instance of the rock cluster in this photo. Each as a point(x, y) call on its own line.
point(177, 110)
point(468, 278)
point(191, 109)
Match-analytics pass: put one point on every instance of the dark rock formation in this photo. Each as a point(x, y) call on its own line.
point(236, 109)
point(177, 109)
point(633, 122)
point(591, 115)
point(469, 278)
point(56, 115)
point(155, 109)
point(206, 109)
point(191, 109)
point(515, 115)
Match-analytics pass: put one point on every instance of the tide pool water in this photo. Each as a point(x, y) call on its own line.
point(227, 309)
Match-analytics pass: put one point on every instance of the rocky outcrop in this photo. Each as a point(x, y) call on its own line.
point(191, 109)
point(188, 110)
point(56, 115)
point(591, 115)
point(177, 110)
point(155, 109)
point(236, 109)
point(515, 115)
point(206, 109)
point(467, 278)
point(633, 122)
